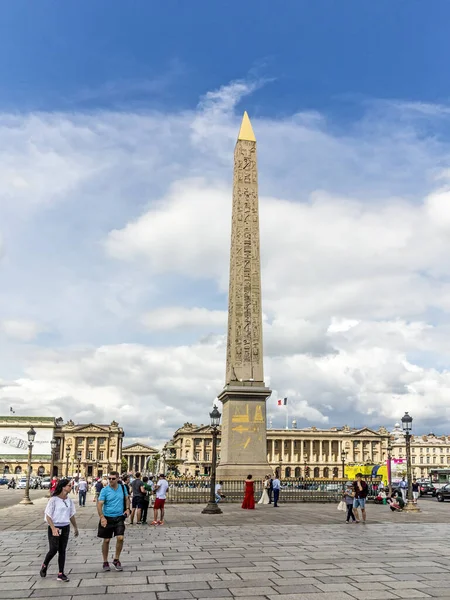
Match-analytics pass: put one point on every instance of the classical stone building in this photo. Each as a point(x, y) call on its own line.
point(87, 449)
point(139, 457)
point(427, 451)
point(318, 452)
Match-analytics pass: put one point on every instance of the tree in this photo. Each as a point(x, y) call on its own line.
point(124, 465)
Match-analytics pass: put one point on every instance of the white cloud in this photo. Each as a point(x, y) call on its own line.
point(178, 317)
point(118, 229)
point(21, 330)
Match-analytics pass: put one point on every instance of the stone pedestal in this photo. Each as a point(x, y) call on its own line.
point(243, 446)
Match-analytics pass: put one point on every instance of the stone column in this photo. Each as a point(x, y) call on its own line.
point(243, 447)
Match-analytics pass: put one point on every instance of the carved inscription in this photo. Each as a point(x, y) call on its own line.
point(244, 343)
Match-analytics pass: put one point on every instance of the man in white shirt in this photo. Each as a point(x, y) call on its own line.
point(82, 491)
point(161, 489)
point(217, 491)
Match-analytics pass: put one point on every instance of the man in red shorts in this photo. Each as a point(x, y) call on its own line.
point(161, 489)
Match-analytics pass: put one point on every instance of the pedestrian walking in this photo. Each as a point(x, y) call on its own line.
point(348, 499)
point(217, 490)
point(403, 487)
point(415, 491)
point(276, 486)
point(137, 487)
point(98, 488)
point(82, 491)
point(53, 484)
point(59, 513)
point(249, 494)
point(148, 488)
point(161, 488)
point(360, 491)
point(113, 507)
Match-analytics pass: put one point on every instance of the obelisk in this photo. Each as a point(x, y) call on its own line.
point(243, 439)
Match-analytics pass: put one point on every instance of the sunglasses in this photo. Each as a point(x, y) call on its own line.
point(112, 478)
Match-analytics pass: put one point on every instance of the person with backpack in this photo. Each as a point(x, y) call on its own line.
point(113, 507)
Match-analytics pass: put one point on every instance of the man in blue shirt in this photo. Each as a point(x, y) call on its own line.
point(276, 484)
point(113, 507)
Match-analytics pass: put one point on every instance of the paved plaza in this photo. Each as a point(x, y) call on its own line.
point(296, 552)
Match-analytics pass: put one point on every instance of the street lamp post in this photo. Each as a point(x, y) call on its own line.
point(305, 457)
point(53, 445)
point(78, 464)
point(389, 457)
point(31, 435)
point(407, 426)
point(68, 449)
point(343, 456)
point(212, 508)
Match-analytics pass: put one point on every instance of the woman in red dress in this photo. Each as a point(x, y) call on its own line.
point(249, 496)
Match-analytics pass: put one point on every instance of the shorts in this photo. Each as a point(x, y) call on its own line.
point(159, 503)
point(115, 526)
point(359, 503)
point(415, 495)
point(137, 502)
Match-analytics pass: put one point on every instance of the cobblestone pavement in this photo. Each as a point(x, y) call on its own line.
point(299, 552)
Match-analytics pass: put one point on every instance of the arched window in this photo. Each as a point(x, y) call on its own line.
point(316, 472)
point(326, 472)
point(335, 472)
point(307, 472)
point(18, 470)
point(287, 472)
point(41, 471)
point(6, 470)
point(298, 472)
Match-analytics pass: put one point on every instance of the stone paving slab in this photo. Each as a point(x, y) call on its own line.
point(309, 554)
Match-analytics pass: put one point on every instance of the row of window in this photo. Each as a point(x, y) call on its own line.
point(91, 441)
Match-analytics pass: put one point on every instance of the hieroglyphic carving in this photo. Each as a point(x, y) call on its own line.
point(244, 343)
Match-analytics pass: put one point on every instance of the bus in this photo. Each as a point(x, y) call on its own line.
point(439, 477)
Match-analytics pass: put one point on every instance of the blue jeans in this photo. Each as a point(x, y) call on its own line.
point(82, 498)
point(218, 497)
point(276, 494)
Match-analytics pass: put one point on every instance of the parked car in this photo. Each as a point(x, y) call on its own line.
point(4, 481)
point(45, 483)
point(443, 493)
point(427, 488)
point(22, 483)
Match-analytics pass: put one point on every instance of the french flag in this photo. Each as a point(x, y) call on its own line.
point(282, 402)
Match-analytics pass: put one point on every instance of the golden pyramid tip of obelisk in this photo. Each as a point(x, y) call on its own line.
point(246, 130)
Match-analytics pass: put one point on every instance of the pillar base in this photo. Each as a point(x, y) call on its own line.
point(25, 501)
point(410, 507)
point(211, 508)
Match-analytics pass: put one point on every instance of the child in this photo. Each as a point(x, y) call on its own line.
point(348, 499)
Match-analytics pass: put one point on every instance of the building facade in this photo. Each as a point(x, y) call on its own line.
point(139, 457)
point(89, 450)
point(316, 452)
point(81, 449)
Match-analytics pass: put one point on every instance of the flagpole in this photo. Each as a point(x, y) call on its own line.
point(287, 417)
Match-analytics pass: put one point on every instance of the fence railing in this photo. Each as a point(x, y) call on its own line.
point(196, 491)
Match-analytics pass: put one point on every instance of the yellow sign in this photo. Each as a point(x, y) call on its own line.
point(241, 418)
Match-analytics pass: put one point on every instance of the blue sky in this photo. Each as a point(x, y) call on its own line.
point(325, 55)
point(117, 127)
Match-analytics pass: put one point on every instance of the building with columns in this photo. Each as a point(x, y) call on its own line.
point(86, 449)
point(139, 457)
point(89, 450)
point(316, 452)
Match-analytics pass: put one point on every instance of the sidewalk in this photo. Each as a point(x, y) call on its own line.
point(250, 555)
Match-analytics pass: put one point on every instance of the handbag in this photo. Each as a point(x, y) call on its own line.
point(341, 505)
